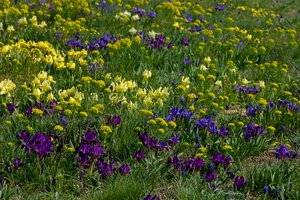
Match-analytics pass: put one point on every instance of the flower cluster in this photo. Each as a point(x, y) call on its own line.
point(210, 125)
point(177, 112)
point(284, 152)
point(40, 143)
point(219, 158)
point(190, 166)
point(246, 89)
point(252, 131)
point(89, 149)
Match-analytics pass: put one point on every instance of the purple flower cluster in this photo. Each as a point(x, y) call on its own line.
point(210, 176)
point(210, 124)
point(148, 141)
point(190, 166)
point(177, 112)
point(105, 6)
point(40, 143)
point(239, 182)
point(142, 13)
point(285, 104)
point(185, 41)
point(247, 90)
point(89, 149)
point(124, 169)
point(252, 131)
point(152, 143)
point(101, 43)
point(158, 42)
point(139, 155)
point(251, 110)
point(47, 109)
point(150, 197)
point(17, 163)
point(114, 120)
point(11, 108)
point(195, 29)
point(220, 7)
point(284, 152)
point(95, 44)
point(219, 158)
point(105, 169)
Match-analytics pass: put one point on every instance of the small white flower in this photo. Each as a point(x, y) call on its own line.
point(152, 34)
point(233, 70)
point(218, 83)
point(133, 31)
point(10, 29)
point(23, 21)
point(245, 82)
point(261, 84)
point(135, 18)
point(126, 13)
point(203, 68)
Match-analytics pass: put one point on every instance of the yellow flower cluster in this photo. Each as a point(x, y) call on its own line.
point(41, 85)
point(71, 97)
point(7, 87)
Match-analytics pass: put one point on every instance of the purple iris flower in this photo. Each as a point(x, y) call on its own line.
point(220, 7)
point(186, 61)
point(150, 197)
point(252, 131)
point(124, 169)
point(17, 162)
point(271, 105)
point(139, 155)
point(266, 189)
point(41, 144)
point(189, 18)
point(219, 158)
point(147, 141)
point(90, 137)
point(57, 35)
point(239, 45)
point(104, 169)
point(185, 41)
point(198, 163)
point(29, 112)
point(277, 192)
point(152, 14)
point(210, 176)
point(63, 120)
point(175, 162)
point(223, 132)
point(10, 107)
point(162, 145)
point(174, 139)
point(282, 152)
point(96, 151)
point(141, 12)
point(251, 111)
point(239, 182)
point(170, 45)
point(84, 161)
point(114, 120)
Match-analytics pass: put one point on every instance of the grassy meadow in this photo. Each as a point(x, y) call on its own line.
point(137, 99)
